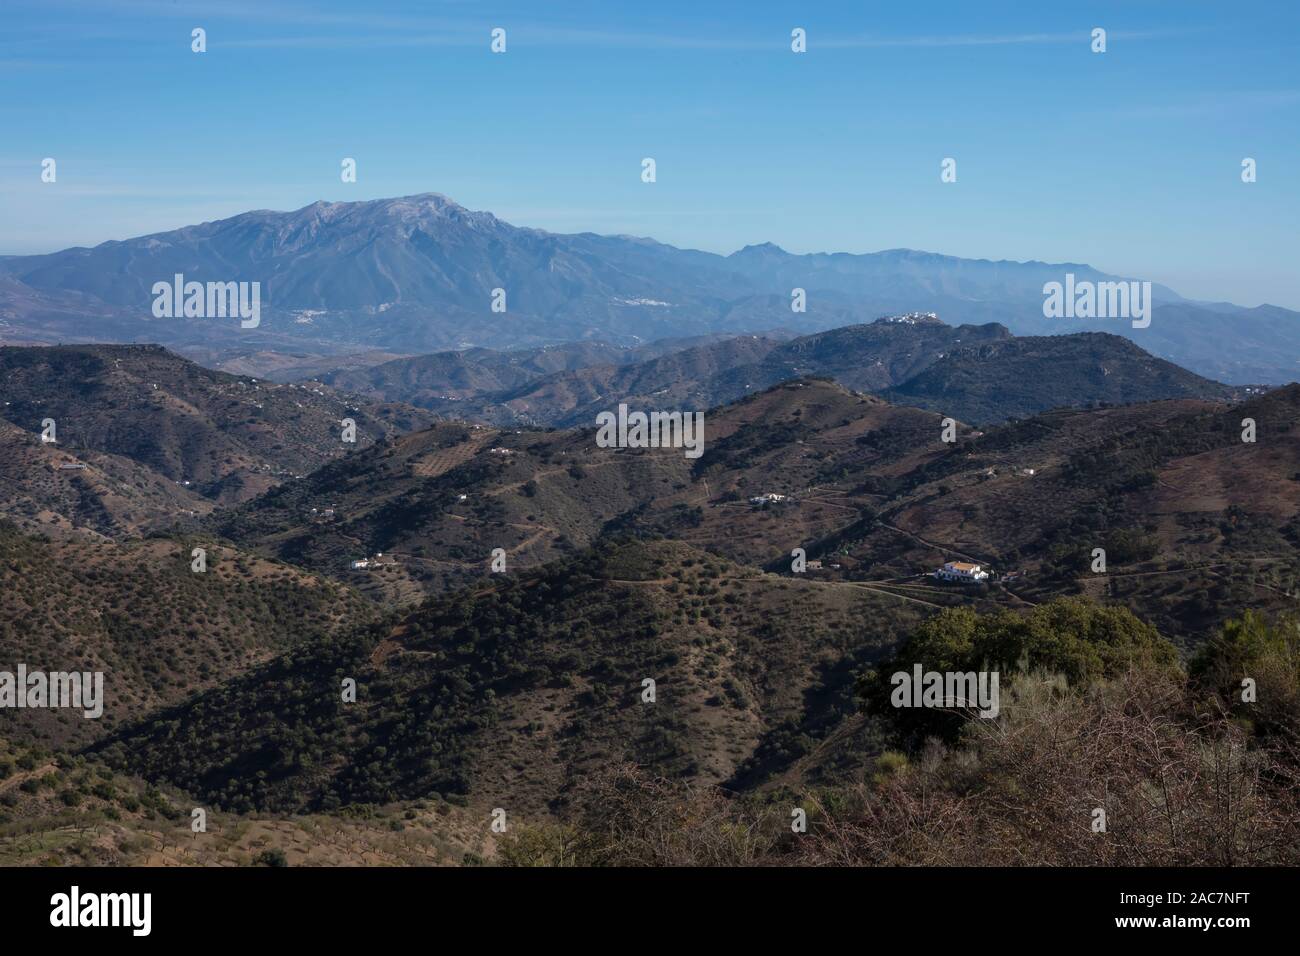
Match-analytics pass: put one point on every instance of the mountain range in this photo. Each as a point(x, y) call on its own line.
point(419, 274)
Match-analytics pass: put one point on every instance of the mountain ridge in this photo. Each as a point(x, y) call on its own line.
point(880, 357)
point(418, 274)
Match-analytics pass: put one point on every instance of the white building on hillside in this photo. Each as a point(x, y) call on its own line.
point(961, 571)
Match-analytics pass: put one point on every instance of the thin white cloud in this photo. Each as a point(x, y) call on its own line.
point(253, 12)
point(358, 42)
point(1212, 104)
point(1007, 39)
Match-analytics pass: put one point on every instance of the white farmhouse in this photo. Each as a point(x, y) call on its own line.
point(961, 571)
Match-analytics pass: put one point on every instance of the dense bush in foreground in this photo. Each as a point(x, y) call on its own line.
point(1139, 766)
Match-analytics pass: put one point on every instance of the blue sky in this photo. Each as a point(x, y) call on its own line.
point(1128, 160)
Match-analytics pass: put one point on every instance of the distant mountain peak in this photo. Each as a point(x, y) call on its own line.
point(760, 249)
point(416, 200)
point(418, 204)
